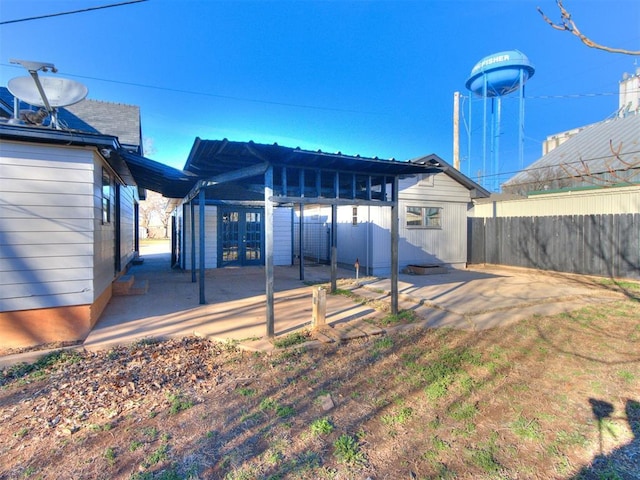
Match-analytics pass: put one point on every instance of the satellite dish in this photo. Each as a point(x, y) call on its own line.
point(60, 92)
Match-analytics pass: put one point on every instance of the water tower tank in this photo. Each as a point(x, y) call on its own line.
point(501, 72)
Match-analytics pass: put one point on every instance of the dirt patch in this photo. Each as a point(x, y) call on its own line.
point(548, 397)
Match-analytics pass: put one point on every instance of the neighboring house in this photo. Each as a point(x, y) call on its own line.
point(604, 154)
point(68, 206)
point(579, 205)
point(432, 211)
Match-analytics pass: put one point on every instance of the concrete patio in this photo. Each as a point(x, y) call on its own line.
point(472, 299)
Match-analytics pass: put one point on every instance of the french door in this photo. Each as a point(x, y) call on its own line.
point(240, 236)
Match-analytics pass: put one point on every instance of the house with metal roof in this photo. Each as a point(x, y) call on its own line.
point(603, 154)
point(576, 209)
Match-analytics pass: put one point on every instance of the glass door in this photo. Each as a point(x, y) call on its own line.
point(240, 237)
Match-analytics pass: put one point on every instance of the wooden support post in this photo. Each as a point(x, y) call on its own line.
point(201, 205)
point(334, 248)
point(319, 307)
point(268, 249)
point(193, 241)
point(394, 246)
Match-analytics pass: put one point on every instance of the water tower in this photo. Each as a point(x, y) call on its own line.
point(492, 78)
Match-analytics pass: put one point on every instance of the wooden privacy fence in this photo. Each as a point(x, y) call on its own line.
point(606, 245)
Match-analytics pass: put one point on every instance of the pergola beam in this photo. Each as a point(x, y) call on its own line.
point(331, 201)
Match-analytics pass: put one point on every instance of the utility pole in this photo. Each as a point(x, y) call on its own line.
point(456, 130)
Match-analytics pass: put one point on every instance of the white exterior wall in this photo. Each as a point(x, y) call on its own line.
point(104, 247)
point(210, 236)
point(370, 240)
point(282, 229)
point(354, 241)
point(46, 226)
point(128, 199)
point(604, 201)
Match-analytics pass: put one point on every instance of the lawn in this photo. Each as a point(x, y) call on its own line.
point(548, 397)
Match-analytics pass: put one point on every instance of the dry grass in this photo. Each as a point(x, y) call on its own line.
point(542, 398)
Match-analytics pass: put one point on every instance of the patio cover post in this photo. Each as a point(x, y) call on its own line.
point(201, 209)
point(193, 240)
point(268, 249)
point(394, 246)
point(301, 241)
point(334, 248)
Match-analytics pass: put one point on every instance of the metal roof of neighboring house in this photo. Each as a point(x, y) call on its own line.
point(115, 119)
point(594, 150)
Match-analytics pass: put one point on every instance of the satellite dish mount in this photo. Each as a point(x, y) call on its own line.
point(49, 93)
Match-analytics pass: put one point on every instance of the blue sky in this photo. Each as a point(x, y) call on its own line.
point(368, 78)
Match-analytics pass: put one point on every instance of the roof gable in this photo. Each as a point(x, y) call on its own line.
point(476, 190)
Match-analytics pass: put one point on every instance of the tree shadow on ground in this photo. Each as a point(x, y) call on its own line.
point(622, 463)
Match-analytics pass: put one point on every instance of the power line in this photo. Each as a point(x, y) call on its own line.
point(543, 167)
point(215, 95)
point(71, 12)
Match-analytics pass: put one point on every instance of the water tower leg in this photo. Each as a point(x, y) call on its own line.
point(469, 138)
point(484, 133)
point(496, 162)
point(521, 122)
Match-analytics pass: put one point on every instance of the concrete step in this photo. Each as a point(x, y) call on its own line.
point(123, 284)
point(127, 285)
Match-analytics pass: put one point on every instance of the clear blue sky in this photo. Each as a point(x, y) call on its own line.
point(368, 78)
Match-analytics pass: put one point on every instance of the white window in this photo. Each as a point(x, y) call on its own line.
point(429, 217)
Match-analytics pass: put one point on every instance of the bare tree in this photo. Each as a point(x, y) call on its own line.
point(617, 171)
point(153, 213)
point(538, 180)
point(567, 24)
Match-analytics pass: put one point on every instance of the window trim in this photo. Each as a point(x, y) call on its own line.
point(425, 217)
point(106, 197)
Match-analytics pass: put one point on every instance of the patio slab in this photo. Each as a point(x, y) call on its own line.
point(471, 299)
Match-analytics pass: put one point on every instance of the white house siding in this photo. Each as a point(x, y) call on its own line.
point(46, 226)
point(446, 245)
point(128, 199)
point(282, 235)
point(354, 241)
point(210, 236)
point(603, 201)
point(104, 253)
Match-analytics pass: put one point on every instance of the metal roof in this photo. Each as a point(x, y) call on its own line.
point(209, 158)
point(592, 149)
point(155, 176)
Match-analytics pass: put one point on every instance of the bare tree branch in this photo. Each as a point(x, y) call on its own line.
point(567, 24)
